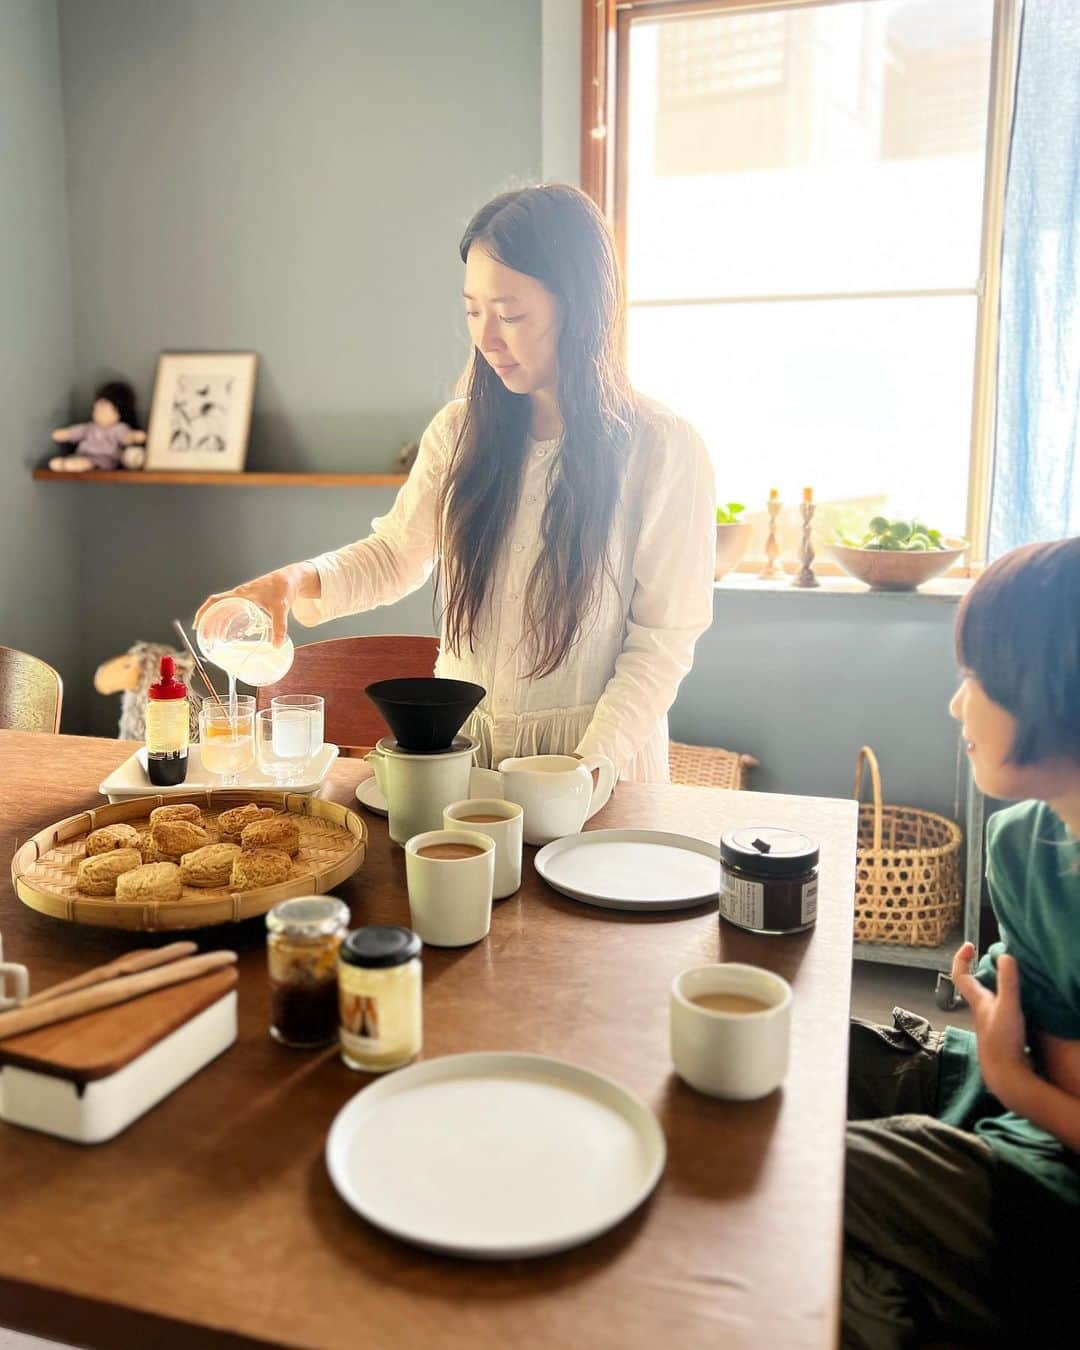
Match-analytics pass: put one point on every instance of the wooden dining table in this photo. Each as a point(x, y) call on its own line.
point(211, 1222)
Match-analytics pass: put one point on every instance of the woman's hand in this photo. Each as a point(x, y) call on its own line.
point(1000, 1032)
point(275, 592)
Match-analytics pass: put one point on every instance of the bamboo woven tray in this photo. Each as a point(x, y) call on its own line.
point(333, 842)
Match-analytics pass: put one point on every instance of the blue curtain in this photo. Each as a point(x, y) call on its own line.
point(1036, 487)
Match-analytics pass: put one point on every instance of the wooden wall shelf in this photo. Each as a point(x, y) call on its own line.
point(142, 477)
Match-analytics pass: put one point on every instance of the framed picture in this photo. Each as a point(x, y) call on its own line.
point(201, 412)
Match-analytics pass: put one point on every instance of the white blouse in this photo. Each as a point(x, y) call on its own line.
point(612, 693)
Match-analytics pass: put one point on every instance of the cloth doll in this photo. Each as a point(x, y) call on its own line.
point(109, 439)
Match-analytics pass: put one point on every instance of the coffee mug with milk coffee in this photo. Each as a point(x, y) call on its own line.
point(450, 876)
point(14, 981)
point(555, 792)
point(501, 820)
point(418, 786)
point(730, 1030)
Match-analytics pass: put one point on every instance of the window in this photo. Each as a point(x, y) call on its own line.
point(810, 239)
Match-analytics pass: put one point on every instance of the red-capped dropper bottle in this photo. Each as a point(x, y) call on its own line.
point(167, 728)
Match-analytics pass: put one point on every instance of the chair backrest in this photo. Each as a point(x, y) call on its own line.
point(31, 693)
point(341, 668)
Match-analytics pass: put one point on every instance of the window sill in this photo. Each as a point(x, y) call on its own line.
point(943, 590)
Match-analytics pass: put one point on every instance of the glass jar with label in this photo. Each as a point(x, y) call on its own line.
point(302, 940)
point(379, 997)
point(769, 879)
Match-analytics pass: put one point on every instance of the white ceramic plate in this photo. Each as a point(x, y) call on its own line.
point(482, 783)
point(495, 1155)
point(130, 779)
point(632, 869)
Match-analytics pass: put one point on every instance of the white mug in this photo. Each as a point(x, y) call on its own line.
point(418, 787)
point(738, 1055)
point(555, 791)
point(506, 832)
point(20, 981)
point(450, 898)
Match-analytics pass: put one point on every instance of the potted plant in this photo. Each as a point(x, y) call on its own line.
point(732, 538)
point(897, 555)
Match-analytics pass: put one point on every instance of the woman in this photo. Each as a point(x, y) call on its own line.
point(569, 521)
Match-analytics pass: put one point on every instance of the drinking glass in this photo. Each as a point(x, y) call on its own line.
point(225, 745)
point(313, 705)
point(283, 741)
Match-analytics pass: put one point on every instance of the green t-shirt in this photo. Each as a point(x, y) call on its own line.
point(1033, 872)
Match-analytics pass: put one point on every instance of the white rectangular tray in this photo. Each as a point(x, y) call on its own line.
point(130, 780)
point(101, 1109)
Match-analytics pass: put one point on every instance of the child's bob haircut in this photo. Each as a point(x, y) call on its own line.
point(1018, 633)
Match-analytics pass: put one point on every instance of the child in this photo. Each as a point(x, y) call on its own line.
point(963, 1180)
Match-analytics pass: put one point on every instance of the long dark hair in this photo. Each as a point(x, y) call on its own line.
point(1018, 632)
point(556, 235)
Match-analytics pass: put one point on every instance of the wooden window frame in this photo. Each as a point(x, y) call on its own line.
point(604, 122)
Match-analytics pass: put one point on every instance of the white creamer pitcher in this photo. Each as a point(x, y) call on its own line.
point(555, 792)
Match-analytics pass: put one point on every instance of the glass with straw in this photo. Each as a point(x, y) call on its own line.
point(226, 746)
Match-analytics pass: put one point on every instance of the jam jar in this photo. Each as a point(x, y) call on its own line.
point(379, 987)
point(302, 940)
point(769, 879)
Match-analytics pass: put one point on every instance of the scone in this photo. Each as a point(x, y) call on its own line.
point(262, 867)
point(282, 834)
point(231, 823)
point(152, 881)
point(174, 838)
point(110, 837)
point(179, 811)
point(149, 850)
point(97, 875)
point(208, 866)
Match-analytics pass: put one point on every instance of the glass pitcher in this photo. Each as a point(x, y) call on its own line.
point(234, 634)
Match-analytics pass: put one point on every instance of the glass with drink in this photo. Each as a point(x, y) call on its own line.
point(283, 742)
point(225, 738)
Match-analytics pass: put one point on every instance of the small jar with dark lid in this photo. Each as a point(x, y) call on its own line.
point(379, 998)
point(769, 879)
point(302, 940)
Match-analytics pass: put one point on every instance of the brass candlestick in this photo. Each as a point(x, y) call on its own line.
point(772, 550)
point(805, 577)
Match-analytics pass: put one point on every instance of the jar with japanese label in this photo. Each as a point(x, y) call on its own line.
point(379, 998)
point(769, 879)
point(302, 940)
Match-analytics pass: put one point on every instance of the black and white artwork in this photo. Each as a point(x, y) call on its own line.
point(201, 413)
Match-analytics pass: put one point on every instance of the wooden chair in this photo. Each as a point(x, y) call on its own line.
point(340, 669)
point(31, 693)
point(709, 766)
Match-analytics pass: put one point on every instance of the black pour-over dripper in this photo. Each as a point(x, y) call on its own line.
point(425, 714)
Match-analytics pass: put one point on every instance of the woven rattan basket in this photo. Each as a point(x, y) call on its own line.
point(709, 766)
point(907, 876)
point(333, 842)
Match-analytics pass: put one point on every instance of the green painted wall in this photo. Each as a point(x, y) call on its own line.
point(292, 179)
point(39, 548)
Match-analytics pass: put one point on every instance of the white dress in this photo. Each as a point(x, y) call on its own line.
point(612, 693)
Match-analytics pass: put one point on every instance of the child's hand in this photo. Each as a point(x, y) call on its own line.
point(1000, 1033)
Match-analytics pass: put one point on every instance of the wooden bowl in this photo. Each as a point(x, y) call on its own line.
point(888, 570)
point(333, 842)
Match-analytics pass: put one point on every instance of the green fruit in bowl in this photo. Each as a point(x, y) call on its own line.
point(895, 536)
